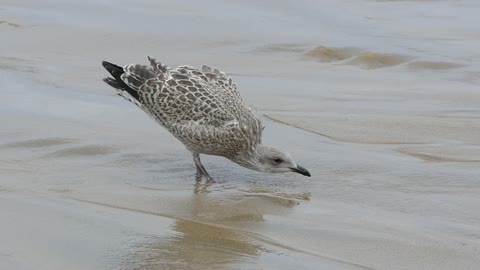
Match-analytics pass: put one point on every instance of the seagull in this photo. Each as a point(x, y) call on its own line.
point(203, 110)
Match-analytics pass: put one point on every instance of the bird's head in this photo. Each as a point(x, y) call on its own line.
point(270, 160)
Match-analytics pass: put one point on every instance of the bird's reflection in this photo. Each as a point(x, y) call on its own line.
point(209, 228)
point(201, 187)
point(194, 245)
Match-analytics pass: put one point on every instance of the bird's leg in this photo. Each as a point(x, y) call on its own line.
point(201, 170)
point(199, 174)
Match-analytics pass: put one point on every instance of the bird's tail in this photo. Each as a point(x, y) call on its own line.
point(117, 82)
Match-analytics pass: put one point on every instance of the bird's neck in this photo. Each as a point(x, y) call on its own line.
point(250, 159)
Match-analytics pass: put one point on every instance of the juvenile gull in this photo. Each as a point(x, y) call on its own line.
point(203, 110)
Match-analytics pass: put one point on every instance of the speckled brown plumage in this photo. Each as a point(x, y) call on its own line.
point(201, 108)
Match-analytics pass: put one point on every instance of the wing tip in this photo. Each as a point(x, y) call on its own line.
point(113, 69)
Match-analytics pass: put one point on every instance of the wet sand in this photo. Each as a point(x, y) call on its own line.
point(375, 98)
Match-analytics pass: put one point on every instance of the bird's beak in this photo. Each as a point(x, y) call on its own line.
point(301, 170)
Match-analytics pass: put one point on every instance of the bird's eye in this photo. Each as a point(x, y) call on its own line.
point(277, 160)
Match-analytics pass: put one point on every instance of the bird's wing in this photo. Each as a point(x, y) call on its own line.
point(216, 86)
point(189, 99)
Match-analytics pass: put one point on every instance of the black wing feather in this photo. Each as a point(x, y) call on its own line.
point(116, 81)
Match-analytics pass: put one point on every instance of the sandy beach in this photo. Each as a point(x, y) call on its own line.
point(378, 99)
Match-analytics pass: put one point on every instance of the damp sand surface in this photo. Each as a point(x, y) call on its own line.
point(375, 98)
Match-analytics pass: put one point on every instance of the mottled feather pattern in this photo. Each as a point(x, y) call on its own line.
point(203, 109)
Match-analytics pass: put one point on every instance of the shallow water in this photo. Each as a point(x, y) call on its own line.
point(378, 99)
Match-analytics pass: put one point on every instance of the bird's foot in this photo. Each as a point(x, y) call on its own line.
point(210, 180)
point(199, 176)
